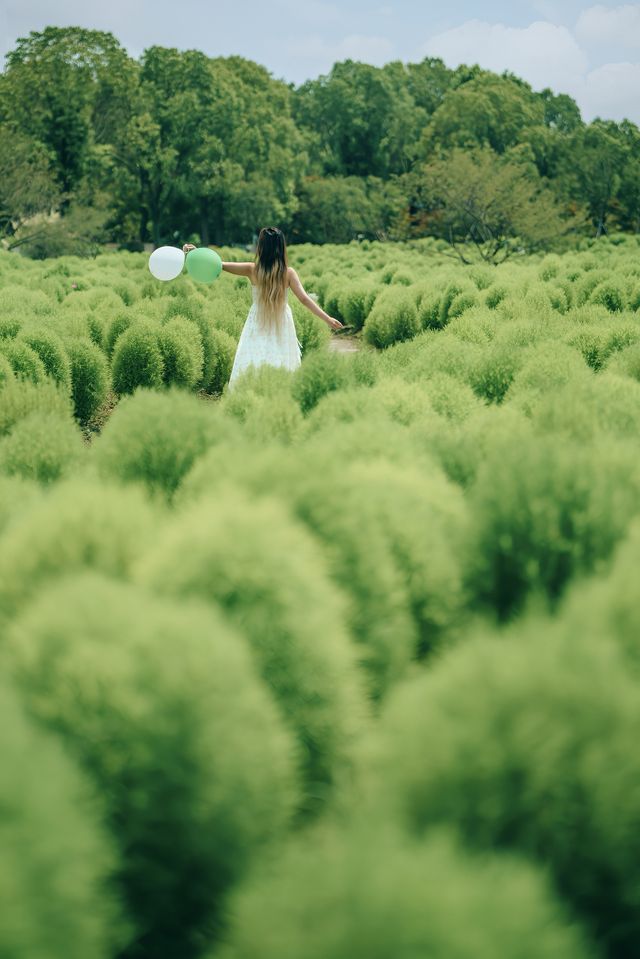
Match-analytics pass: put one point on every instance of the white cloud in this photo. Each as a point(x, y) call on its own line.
point(549, 9)
point(611, 92)
point(368, 49)
point(549, 55)
point(544, 54)
point(620, 25)
point(311, 11)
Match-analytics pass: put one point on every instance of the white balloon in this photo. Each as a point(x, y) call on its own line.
point(166, 263)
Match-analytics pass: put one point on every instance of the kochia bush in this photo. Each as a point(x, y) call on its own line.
point(394, 317)
point(155, 438)
point(42, 446)
point(545, 509)
point(55, 857)
point(366, 891)
point(51, 351)
point(80, 524)
point(137, 358)
point(538, 752)
point(90, 378)
point(252, 559)
point(160, 706)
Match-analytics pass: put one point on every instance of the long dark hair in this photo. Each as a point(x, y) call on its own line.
point(271, 275)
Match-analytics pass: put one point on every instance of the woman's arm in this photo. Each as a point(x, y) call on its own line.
point(240, 269)
point(305, 299)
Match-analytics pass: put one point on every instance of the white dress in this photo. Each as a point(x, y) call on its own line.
point(257, 346)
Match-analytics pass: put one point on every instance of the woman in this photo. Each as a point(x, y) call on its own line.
point(269, 334)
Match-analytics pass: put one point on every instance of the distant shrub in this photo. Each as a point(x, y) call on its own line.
point(588, 283)
point(495, 295)
point(56, 858)
point(461, 303)
point(351, 403)
point(403, 277)
point(10, 326)
point(16, 495)
point(457, 296)
point(545, 509)
point(6, 369)
point(312, 333)
point(355, 303)
point(261, 400)
point(611, 295)
point(451, 398)
point(89, 378)
point(250, 558)
point(537, 752)
point(475, 325)
point(493, 371)
point(24, 360)
point(331, 299)
point(137, 358)
point(127, 290)
point(220, 350)
point(115, 328)
point(318, 375)
point(182, 353)
point(589, 406)
point(370, 891)
point(21, 397)
point(394, 318)
point(403, 402)
point(482, 276)
point(592, 344)
point(348, 525)
point(424, 520)
point(544, 368)
point(98, 324)
point(441, 353)
point(154, 438)
point(429, 310)
point(549, 268)
point(42, 446)
point(80, 524)
point(160, 706)
point(363, 367)
point(626, 362)
point(51, 351)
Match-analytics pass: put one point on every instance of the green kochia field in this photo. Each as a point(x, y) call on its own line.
point(344, 663)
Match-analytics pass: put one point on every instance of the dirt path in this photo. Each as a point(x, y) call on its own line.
point(344, 344)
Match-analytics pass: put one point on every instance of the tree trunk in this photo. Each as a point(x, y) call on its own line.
point(218, 237)
point(204, 225)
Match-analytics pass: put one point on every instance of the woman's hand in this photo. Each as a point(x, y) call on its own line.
point(188, 247)
point(335, 324)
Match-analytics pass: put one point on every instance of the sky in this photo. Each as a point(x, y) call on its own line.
point(591, 51)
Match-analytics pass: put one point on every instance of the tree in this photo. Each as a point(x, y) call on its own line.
point(341, 209)
point(628, 195)
point(64, 88)
point(487, 110)
point(592, 165)
point(428, 82)
point(364, 118)
point(211, 148)
point(27, 187)
point(561, 112)
point(490, 204)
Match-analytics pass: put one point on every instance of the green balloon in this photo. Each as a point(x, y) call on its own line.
point(204, 265)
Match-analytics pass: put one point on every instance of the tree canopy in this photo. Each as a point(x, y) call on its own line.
point(179, 144)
